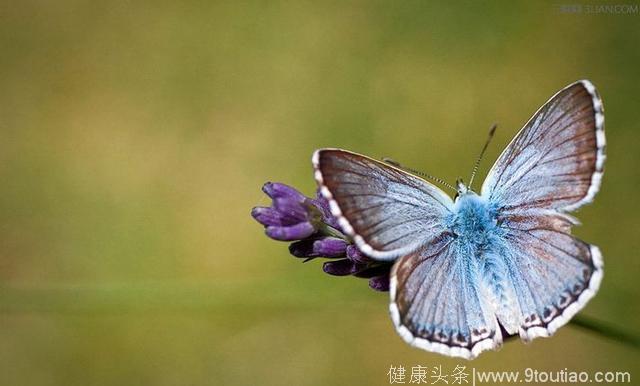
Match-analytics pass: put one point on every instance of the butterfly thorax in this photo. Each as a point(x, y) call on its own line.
point(473, 221)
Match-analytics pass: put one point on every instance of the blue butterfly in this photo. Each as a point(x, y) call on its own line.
point(470, 270)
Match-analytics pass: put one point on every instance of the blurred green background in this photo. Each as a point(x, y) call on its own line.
point(135, 137)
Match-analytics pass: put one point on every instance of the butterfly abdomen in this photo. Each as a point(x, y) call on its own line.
point(478, 237)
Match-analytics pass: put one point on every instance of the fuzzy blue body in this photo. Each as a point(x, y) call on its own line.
point(474, 222)
point(479, 242)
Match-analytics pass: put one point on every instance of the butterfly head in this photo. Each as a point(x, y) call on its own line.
point(461, 188)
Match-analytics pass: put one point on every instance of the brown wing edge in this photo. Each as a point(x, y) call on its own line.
point(601, 143)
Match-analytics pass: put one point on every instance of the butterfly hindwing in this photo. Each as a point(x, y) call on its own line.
point(439, 304)
point(388, 212)
point(553, 273)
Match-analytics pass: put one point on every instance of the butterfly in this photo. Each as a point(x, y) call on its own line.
point(469, 271)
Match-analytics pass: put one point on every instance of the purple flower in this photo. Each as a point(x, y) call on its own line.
point(292, 215)
point(316, 234)
point(380, 283)
point(321, 203)
point(330, 247)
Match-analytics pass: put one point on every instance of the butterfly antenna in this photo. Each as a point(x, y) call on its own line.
point(421, 174)
point(486, 145)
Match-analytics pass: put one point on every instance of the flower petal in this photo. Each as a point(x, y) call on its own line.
point(379, 283)
point(341, 267)
point(291, 210)
point(330, 247)
point(321, 203)
point(290, 233)
point(302, 248)
point(356, 256)
point(373, 269)
point(267, 216)
point(278, 190)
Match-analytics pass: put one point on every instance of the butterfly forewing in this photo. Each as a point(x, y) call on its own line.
point(388, 212)
point(557, 159)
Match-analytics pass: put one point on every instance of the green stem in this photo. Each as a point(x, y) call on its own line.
point(331, 231)
point(606, 331)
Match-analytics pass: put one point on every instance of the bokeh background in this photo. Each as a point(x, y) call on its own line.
point(135, 137)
